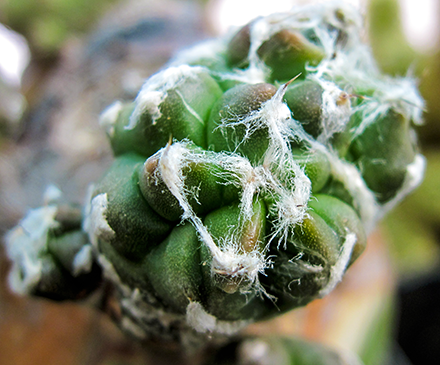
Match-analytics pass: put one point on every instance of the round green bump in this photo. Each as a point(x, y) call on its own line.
point(183, 114)
point(287, 53)
point(235, 105)
point(302, 268)
point(184, 111)
point(238, 48)
point(383, 152)
point(137, 227)
point(205, 189)
point(304, 100)
point(225, 299)
point(174, 268)
point(316, 166)
point(155, 191)
point(342, 219)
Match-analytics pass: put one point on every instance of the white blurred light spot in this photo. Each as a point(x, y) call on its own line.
point(14, 56)
point(420, 22)
point(234, 13)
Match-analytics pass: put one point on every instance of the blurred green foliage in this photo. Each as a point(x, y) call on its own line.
point(390, 47)
point(413, 229)
point(47, 23)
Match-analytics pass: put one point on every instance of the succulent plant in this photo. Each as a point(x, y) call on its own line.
point(247, 174)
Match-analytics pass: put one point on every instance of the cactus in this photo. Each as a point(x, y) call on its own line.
point(247, 175)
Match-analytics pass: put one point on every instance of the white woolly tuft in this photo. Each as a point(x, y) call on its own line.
point(25, 244)
point(95, 222)
point(338, 269)
point(278, 164)
point(364, 200)
point(83, 260)
point(109, 117)
point(202, 321)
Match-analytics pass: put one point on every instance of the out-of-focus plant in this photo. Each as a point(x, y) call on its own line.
point(47, 24)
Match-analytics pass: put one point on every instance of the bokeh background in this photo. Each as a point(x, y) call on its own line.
point(63, 61)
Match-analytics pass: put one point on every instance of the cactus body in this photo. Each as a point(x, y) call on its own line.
point(247, 177)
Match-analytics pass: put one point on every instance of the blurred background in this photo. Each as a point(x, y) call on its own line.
point(63, 61)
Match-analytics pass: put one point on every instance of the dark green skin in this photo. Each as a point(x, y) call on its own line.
point(237, 103)
point(383, 152)
point(340, 217)
point(174, 268)
point(221, 302)
point(212, 191)
point(287, 53)
point(315, 242)
point(304, 100)
point(238, 48)
point(57, 283)
point(176, 121)
point(316, 166)
point(65, 246)
point(318, 240)
point(138, 228)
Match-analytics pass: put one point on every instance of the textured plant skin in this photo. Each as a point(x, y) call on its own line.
point(247, 175)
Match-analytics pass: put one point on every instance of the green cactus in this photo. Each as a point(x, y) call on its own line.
point(247, 175)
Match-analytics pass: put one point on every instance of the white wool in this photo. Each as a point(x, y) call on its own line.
point(109, 117)
point(173, 159)
point(83, 260)
point(413, 178)
point(25, 244)
point(335, 116)
point(364, 199)
point(199, 319)
point(95, 223)
point(51, 195)
point(338, 269)
point(202, 321)
point(291, 207)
